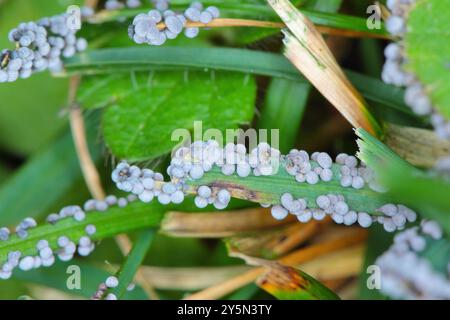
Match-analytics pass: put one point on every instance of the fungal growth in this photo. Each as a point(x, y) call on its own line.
point(40, 46)
point(395, 73)
point(146, 26)
point(406, 268)
point(139, 99)
point(193, 162)
point(63, 248)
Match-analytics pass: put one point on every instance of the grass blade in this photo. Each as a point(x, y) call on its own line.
point(284, 108)
point(308, 51)
point(269, 189)
point(218, 225)
point(133, 262)
point(110, 223)
point(286, 283)
point(229, 59)
point(413, 187)
point(419, 147)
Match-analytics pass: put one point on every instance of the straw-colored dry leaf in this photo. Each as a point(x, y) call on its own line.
point(355, 237)
point(419, 147)
point(219, 224)
point(308, 51)
point(189, 279)
point(274, 243)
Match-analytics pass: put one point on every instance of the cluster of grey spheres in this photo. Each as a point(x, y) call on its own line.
point(406, 271)
point(146, 27)
point(40, 46)
point(394, 72)
point(66, 246)
point(110, 283)
point(160, 5)
point(194, 161)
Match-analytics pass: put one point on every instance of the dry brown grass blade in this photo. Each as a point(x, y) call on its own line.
point(336, 284)
point(349, 290)
point(219, 224)
point(341, 264)
point(308, 51)
point(335, 232)
point(40, 292)
point(296, 259)
point(385, 13)
point(274, 243)
point(420, 147)
point(336, 265)
point(91, 3)
point(189, 279)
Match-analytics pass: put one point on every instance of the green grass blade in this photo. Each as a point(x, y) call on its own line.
point(245, 293)
point(133, 261)
point(377, 91)
point(230, 59)
point(378, 242)
point(326, 5)
point(418, 189)
point(284, 108)
point(269, 189)
point(114, 221)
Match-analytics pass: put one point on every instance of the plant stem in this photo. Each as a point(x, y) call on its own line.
point(227, 22)
point(343, 24)
point(130, 267)
point(90, 173)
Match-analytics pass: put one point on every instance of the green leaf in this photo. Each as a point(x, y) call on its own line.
point(229, 59)
point(147, 108)
point(427, 45)
point(47, 177)
point(133, 262)
point(286, 283)
point(423, 191)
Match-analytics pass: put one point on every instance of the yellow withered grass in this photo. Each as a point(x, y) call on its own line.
point(307, 50)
